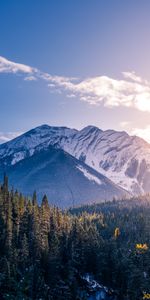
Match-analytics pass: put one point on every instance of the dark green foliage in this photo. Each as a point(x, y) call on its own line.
point(44, 252)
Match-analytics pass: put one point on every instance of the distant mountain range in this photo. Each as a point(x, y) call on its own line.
point(71, 165)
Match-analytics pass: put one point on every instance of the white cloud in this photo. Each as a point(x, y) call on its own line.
point(125, 124)
point(111, 92)
point(142, 132)
point(130, 91)
point(30, 78)
point(132, 76)
point(7, 66)
point(7, 136)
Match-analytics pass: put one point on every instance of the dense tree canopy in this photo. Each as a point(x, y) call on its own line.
point(44, 252)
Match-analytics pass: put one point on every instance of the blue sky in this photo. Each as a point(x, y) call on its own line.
point(89, 64)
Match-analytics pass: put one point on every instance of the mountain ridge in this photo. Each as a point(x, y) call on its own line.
point(122, 158)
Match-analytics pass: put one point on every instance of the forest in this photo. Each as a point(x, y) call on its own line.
point(45, 252)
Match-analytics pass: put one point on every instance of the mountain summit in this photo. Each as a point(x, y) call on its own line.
point(124, 159)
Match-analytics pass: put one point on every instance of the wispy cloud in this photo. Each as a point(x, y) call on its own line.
point(7, 66)
point(125, 124)
point(129, 91)
point(7, 136)
point(132, 76)
point(30, 78)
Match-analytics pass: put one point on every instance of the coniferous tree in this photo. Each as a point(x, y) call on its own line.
point(45, 252)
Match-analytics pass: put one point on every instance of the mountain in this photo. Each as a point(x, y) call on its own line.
point(64, 179)
point(122, 158)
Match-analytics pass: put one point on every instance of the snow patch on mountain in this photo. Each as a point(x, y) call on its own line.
point(91, 177)
point(17, 157)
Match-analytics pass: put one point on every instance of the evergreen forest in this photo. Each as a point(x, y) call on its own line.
point(45, 252)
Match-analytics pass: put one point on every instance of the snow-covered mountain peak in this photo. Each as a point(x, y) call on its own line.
point(122, 158)
point(41, 135)
point(46, 129)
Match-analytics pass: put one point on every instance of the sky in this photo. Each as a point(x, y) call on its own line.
point(74, 63)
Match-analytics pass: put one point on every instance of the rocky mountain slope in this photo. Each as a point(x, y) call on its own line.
point(122, 158)
point(63, 178)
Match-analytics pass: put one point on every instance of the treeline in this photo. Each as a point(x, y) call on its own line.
point(44, 252)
